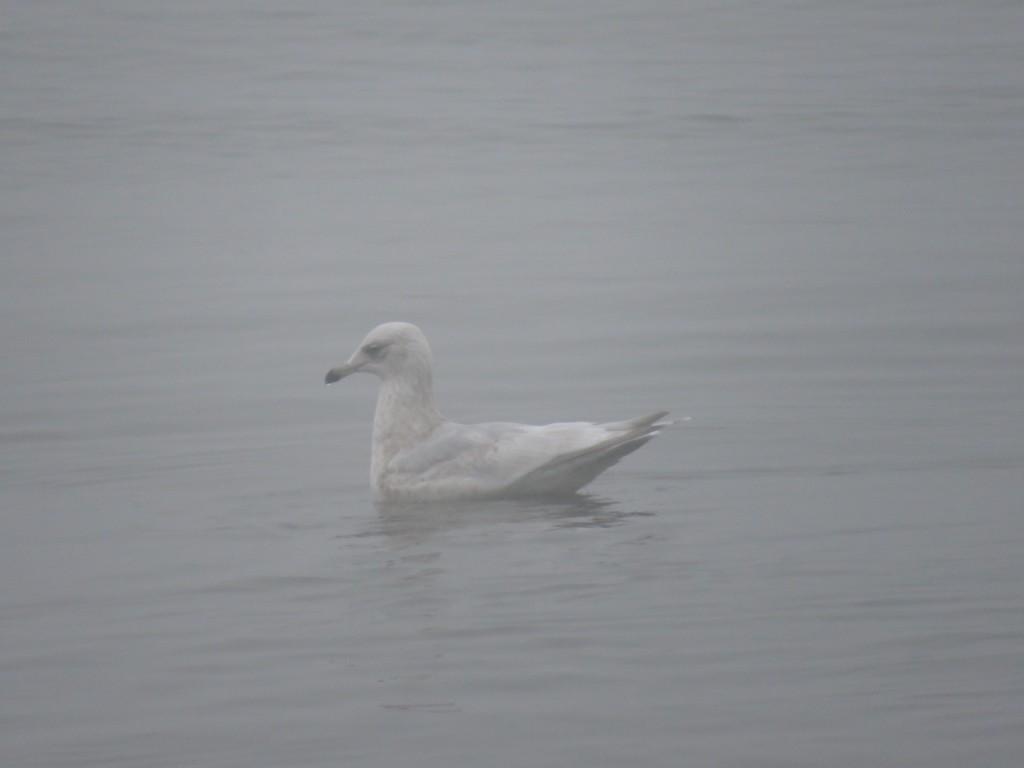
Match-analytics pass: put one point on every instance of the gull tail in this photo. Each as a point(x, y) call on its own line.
point(569, 472)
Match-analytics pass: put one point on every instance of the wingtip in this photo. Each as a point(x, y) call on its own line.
point(670, 422)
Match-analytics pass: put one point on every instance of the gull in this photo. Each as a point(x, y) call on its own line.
point(418, 455)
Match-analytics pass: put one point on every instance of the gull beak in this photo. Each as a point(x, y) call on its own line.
point(336, 374)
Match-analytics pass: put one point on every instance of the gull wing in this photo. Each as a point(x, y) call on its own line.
point(569, 472)
point(501, 459)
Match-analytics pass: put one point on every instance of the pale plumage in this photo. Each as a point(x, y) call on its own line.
point(418, 455)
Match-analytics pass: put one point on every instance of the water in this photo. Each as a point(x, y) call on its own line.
point(798, 224)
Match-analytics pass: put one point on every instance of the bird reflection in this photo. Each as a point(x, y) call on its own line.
point(411, 523)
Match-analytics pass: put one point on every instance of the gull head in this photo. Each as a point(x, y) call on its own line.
point(390, 350)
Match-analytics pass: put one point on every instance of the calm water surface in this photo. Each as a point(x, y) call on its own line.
point(798, 224)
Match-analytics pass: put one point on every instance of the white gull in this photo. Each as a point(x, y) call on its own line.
point(420, 456)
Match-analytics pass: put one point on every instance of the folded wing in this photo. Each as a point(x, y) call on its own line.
point(499, 459)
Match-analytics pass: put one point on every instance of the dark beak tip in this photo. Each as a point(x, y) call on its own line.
point(331, 377)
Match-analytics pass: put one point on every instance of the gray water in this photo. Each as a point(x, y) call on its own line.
point(798, 224)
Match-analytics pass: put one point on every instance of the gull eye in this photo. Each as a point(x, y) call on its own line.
point(373, 350)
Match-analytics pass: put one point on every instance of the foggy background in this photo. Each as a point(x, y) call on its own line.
point(797, 223)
